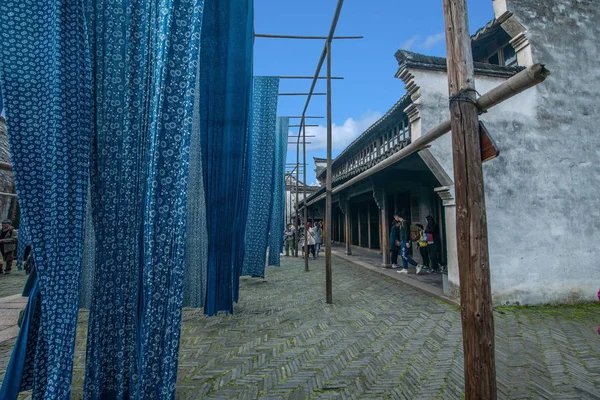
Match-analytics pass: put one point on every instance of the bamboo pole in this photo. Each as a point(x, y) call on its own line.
point(524, 80)
point(471, 223)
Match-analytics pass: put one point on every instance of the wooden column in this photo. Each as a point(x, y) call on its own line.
point(380, 196)
point(471, 225)
point(359, 217)
point(369, 238)
point(339, 221)
point(345, 207)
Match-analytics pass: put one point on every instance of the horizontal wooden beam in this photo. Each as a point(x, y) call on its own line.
point(302, 94)
point(273, 36)
point(300, 117)
point(524, 80)
point(310, 77)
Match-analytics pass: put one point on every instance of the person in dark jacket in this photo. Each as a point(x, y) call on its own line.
point(405, 244)
point(8, 244)
point(395, 243)
point(433, 245)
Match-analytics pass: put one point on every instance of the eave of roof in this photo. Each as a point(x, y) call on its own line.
point(409, 59)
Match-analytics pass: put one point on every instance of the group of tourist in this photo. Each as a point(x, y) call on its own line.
point(427, 238)
point(312, 235)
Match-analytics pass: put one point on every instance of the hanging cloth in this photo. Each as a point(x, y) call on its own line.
point(145, 70)
point(226, 81)
point(44, 75)
point(194, 286)
point(277, 225)
point(264, 121)
point(88, 267)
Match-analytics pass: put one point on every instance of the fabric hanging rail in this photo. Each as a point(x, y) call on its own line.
point(277, 224)
point(264, 121)
point(45, 85)
point(225, 88)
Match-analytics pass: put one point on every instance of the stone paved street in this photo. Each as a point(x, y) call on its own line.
point(13, 283)
point(380, 340)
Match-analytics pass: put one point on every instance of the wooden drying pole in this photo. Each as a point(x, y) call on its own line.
point(328, 177)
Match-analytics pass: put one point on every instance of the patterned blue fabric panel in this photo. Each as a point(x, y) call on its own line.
point(88, 268)
point(23, 240)
point(277, 225)
point(226, 82)
point(44, 77)
point(264, 121)
point(145, 60)
point(194, 289)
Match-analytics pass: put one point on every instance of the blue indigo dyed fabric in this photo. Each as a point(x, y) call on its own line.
point(88, 267)
point(264, 121)
point(277, 224)
point(22, 243)
point(225, 87)
point(194, 286)
point(44, 75)
point(145, 61)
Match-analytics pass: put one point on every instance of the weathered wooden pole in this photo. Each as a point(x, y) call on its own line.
point(305, 198)
point(328, 186)
point(471, 224)
point(297, 225)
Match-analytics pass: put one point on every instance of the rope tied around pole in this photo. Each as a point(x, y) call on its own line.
point(462, 96)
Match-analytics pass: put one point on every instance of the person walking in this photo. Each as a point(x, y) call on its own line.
point(394, 243)
point(318, 238)
point(405, 244)
point(433, 237)
point(8, 245)
point(422, 242)
point(289, 238)
point(310, 239)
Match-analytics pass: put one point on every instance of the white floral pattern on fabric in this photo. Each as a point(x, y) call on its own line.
point(262, 150)
point(277, 224)
point(145, 62)
point(44, 76)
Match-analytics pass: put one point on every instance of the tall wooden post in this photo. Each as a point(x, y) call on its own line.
point(471, 224)
point(305, 197)
point(359, 222)
point(328, 187)
point(297, 225)
point(369, 239)
point(380, 196)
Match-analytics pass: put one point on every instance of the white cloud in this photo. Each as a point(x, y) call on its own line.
point(432, 40)
point(416, 42)
point(410, 43)
point(342, 135)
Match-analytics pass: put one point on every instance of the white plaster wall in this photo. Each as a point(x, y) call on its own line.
point(540, 250)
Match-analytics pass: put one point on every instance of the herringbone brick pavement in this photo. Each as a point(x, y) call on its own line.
point(380, 340)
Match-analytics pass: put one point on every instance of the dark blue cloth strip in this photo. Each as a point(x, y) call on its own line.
point(226, 79)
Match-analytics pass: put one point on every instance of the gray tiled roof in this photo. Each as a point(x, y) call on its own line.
point(409, 59)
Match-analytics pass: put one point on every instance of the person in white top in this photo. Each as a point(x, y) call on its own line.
point(311, 239)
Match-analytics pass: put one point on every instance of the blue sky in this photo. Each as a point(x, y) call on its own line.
point(368, 65)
